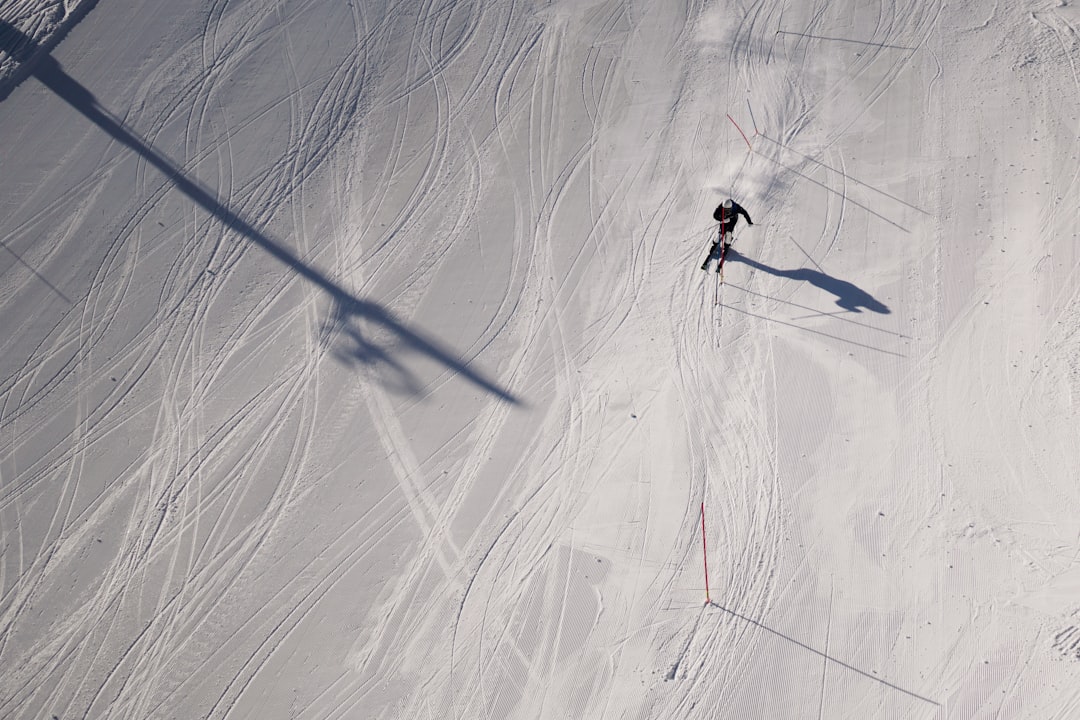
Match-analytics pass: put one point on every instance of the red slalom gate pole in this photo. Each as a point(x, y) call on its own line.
point(740, 131)
point(705, 552)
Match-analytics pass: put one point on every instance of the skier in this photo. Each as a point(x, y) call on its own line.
point(727, 214)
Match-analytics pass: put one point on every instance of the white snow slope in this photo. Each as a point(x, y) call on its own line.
point(356, 363)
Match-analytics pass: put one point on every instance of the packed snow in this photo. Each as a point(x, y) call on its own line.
point(356, 362)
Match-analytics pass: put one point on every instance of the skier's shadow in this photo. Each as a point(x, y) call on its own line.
point(848, 296)
point(372, 335)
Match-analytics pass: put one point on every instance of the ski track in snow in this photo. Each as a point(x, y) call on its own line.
point(225, 491)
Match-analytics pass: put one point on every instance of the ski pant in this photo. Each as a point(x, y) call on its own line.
point(724, 239)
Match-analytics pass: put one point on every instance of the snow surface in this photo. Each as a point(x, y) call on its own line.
point(356, 363)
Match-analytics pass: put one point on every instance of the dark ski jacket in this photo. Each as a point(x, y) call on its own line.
point(728, 218)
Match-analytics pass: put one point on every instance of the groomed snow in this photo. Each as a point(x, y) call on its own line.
point(355, 361)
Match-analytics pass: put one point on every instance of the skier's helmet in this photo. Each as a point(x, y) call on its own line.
point(727, 204)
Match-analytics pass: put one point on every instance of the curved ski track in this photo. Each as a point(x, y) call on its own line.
point(225, 495)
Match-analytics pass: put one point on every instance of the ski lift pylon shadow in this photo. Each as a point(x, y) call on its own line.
point(35, 61)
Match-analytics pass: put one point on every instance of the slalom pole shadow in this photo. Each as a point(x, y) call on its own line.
point(815, 332)
point(826, 656)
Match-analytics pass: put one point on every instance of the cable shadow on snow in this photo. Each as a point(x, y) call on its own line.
point(349, 313)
